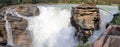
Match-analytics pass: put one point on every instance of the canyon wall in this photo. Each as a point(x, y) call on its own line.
point(18, 25)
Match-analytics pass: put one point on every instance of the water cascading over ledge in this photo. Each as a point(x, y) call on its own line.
point(43, 26)
point(52, 28)
point(13, 28)
point(48, 28)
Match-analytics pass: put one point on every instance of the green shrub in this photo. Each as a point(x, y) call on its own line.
point(119, 6)
point(117, 20)
point(87, 44)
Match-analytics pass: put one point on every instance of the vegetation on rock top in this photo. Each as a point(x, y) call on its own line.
point(16, 2)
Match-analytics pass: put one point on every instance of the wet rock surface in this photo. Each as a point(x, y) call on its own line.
point(112, 41)
point(3, 36)
point(85, 18)
point(21, 36)
point(111, 38)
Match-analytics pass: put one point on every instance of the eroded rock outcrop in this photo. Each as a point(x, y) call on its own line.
point(21, 36)
point(3, 37)
point(85, 18)
point(28, 10)
point(111, 38)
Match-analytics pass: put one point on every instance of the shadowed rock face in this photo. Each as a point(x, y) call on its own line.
point(111, 38)
point(3, 37)
point(112, 41)
point(21, 36)
point(85, 18)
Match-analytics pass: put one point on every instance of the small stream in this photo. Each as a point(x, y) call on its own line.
point(8, 29)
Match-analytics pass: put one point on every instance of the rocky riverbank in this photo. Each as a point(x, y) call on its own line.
point(85, 18)
point(21, 36)
point(110, 38)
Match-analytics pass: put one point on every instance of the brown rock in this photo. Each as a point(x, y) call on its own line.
point(23, 27)
point(1, 39)
point(3, 43)
point(28, 10)
point(4, 34)
point(2, 23)
point(18, 25)
point(24, 39)
point(13, 18)
point(113, 41)
point(85, 17)
point(86, 7)
point(2, 20)
point(110, 38)
point(1, 46)
point(2, 27)
point(100, 42)
point(113, 30)
point(93, 10)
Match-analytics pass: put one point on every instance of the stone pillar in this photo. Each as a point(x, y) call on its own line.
point(85, 18)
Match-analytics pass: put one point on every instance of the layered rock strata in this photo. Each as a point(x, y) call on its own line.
point(85, 18)
point(21, 36)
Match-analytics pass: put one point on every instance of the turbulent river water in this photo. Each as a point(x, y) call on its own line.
point(52, 28)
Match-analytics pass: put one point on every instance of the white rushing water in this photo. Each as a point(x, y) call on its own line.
point(52, 28)
point(8, 30)
point(106, 15)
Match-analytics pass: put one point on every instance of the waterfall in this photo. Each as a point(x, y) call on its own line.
point(106, 15)
point(52, 27)
point(8, 29)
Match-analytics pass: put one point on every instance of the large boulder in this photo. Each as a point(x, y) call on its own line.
point(3, 36)
point(85, 18)
point(28, 10)
point(112, 41)
point(100, 42)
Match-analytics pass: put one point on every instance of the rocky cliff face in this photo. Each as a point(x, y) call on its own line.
point(85, 18)
point(111, 37)
point(21, 36)
point(28, 10)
